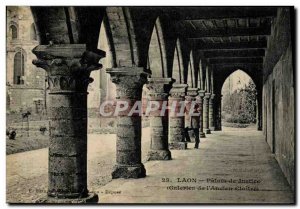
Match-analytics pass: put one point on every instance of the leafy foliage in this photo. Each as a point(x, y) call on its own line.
point(240, 106)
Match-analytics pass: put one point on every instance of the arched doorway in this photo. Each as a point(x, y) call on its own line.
point(239, 101)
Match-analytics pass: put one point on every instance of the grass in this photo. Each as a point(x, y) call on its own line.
point(24, 143)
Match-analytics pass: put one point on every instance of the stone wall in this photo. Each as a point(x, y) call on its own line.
point(23, 96)
point(279, 95)
point(23, 99)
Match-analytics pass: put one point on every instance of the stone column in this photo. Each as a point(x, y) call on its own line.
point(159, 89)
point(129, 85)
point(218, 112)
point(191, 121)
point(206, 113)
point(201, 96)
point(68, 68)
point(176, 120)
point(211, 112)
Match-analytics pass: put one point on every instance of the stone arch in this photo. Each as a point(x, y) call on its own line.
point(106, 27)
point(220, 79)
point(185, 52)
point(51, 24)
point(254, 72)
point(256, 101)
point(168, 28)
point(231, 73)
point(122, 36)
point(131, 30)
point(68, 25)
point(13, 30)
point(191, 71)
point(157, 52)
point(101, 89)
point(19, 66)
point(19, 49)
point(177, 72)
point(201, 74)
point(106, 86)
point(86, 22)
point(206, 75)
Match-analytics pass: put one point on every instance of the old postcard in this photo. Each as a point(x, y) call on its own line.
point(192, 105)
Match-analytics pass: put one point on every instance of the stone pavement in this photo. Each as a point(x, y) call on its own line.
point(228, 156)
point(222, 156)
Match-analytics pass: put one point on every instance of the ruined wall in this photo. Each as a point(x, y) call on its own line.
point(279, 95)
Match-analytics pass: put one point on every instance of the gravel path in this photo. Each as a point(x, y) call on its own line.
point(27, 176)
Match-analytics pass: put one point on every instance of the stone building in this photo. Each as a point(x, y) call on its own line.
point(25, 82)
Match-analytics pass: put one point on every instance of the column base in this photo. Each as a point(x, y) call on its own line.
point(123, 171)
point(92, 198)
point(178, 145)
point(207, 131)
point(202, 135)
point(212, 128)
point(159, 155)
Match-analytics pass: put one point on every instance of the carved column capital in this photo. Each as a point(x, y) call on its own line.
point(201, 93)
point(68, 66)
point(178, 91)
point(207, 96)
point(159, 88)
point(129, 81)
point(191, 94)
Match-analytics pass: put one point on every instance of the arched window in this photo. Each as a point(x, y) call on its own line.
point(19, 68)
point(13, 31)
point(33, 35)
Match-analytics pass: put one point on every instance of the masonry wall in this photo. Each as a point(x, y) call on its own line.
point(279, 95)
point(22, 97)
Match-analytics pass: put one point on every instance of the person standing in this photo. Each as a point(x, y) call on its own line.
point(195, 125)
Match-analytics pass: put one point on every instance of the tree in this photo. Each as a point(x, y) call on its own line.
point(241, 105)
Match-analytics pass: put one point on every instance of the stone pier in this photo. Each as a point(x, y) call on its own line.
point(211, 112)
point(159, 89)
point(191, 121)
point(176, 120)
point(129, 83)
point(200, 98)
point(206, 113)
point(68, 68)
point(218, 112)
